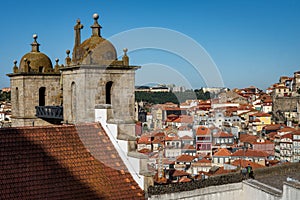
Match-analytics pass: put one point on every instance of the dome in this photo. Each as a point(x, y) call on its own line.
point(96, 49)
point(37, 61)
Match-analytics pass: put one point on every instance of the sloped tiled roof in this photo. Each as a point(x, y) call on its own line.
point(144, 140)
point(250, 153)
point(185, 158)
point(184, 180)
point(180, 173)
point(222, 134)
point(188, 147)
point(245, 163)
point(201, 130)
point(223, 152)
point(63, 162)
point(186, 137)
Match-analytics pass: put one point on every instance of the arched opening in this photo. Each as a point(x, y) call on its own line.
point(42, 95)
point(73, 100)
point(108, 92)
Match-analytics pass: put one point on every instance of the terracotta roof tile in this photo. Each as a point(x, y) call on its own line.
point(185, 158)
point(250, 153)
point(245, 163)
point(184, 180)
point(223, 152)
point(201, 130)
point(189, 147)
point(180, 173)
point(63, 162)
point(186, 137)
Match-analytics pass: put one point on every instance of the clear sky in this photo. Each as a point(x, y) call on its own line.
point(252, 42)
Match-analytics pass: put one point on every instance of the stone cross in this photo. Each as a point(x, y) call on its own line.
point(77, 28)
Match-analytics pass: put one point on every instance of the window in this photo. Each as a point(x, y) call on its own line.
point(108, 92)
point(42, 94)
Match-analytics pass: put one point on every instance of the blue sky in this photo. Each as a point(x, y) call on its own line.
point(251, 42)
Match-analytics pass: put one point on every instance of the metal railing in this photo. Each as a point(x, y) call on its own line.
point(50, 112)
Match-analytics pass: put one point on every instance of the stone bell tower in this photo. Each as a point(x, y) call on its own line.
point(95, 78)
point(34, 83)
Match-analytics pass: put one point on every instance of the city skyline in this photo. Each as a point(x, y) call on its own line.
point(251, 43)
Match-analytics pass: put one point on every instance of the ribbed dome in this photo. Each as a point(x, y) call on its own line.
point(37, 62)
point(96, 50)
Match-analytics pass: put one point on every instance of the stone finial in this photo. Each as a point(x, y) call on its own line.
point(15, 68)
point(56, 68)
point(96, 26)
point(68, 59)
point(125, 58)
point(35, 45)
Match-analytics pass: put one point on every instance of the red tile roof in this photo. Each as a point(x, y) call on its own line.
point(144, 140)
point(63, 162)
point(250, 153)
point(185, 158)
point(184, 180)
point(245, 163)
point(180, 173)
point(223, 152)
point(223, 134)
point(184, 119)
point(186, 137)
point(201, 130)
point(189, 147)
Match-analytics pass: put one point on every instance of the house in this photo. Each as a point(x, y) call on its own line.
point(223, 139)
point(176, 175)
point(258, 120)
point(251, 155)
point(172, 146)
point(284, 147)
point(144, 142)
point(221, 156)
point(184, 162)
point(203, 140)
point(296, 146)
point(203, 165)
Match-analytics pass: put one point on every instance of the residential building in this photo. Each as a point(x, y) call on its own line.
point(203, 140)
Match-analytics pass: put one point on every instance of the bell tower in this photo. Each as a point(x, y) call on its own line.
point(33, 84)
point(96, 78)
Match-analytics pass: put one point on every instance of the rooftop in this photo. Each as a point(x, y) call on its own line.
point(63, 162)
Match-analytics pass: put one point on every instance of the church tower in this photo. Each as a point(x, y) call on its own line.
point(34, 83)
point(95, 78)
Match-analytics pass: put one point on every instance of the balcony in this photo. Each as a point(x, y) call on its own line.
point(49, 112)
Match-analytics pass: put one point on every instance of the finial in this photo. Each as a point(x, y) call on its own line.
point(35, 45)
point(68, 59)
point(68, 52)
point(15, 68)
point(125, 51)
point(95, 16)
point(35, 36)
point(56, 68)
point(125, 58)
point(96, 26)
